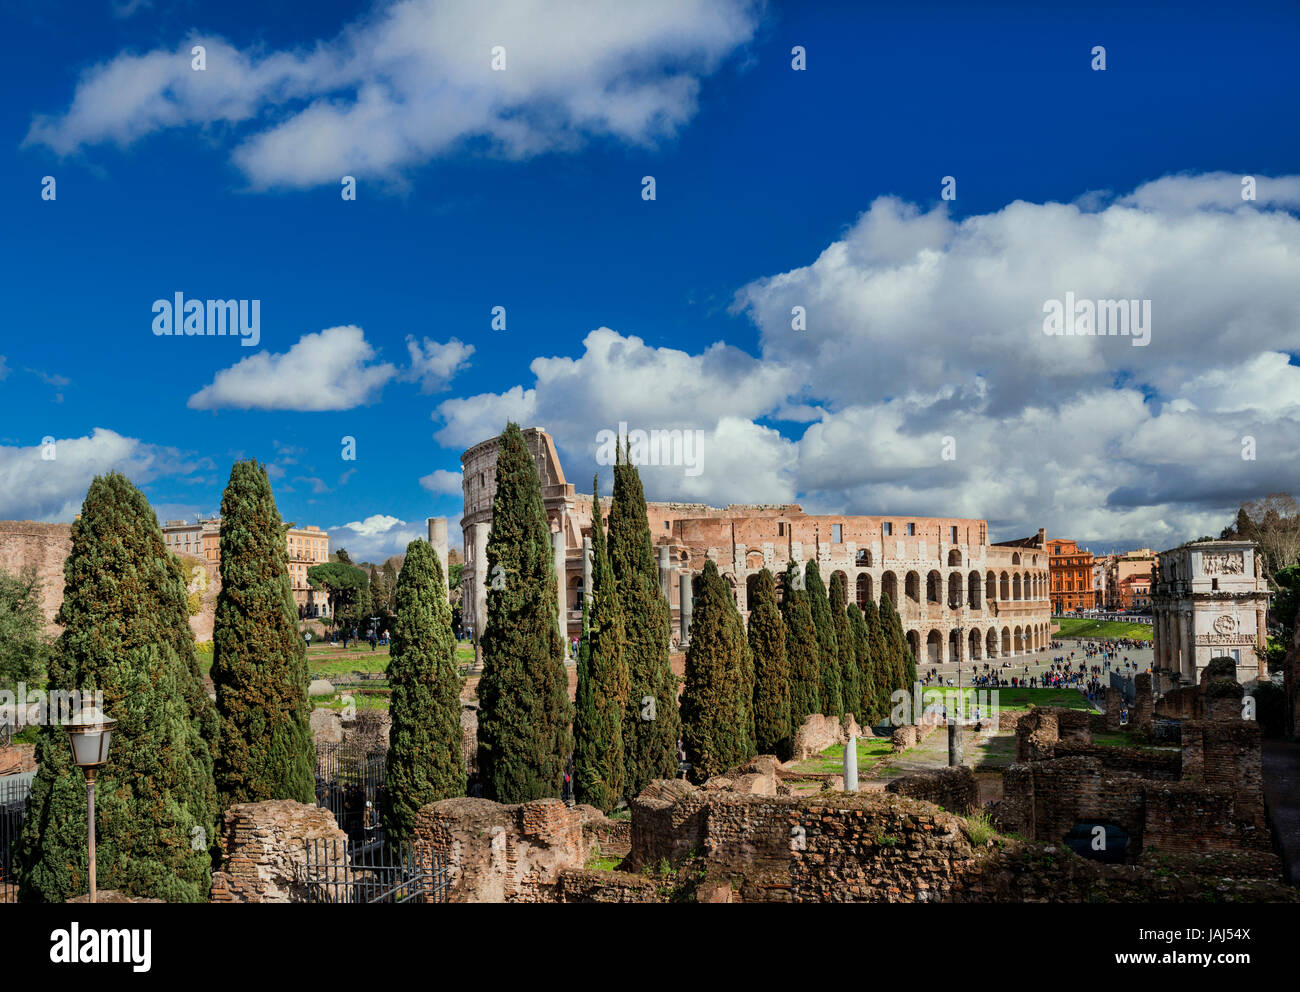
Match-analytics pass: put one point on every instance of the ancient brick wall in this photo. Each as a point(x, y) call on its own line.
point(580, 885)
point(955, 789)
point(263, 850)
point(44, 547)
point(820, 732)
point(499, 853)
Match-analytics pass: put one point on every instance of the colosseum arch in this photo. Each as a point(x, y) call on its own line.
point(754, 560)
point(751, 584)
point(912, 587)
point(954, 557)
point(990, 588)
point(1015, 586)
point(954, 591)
point(955, 653)
point(1004, 587)
point(889, 587)
point(864, 590)
point(991, 643)
point(863, 558)
point(973, 590)
point(914, 643)
point(976, 645)
point(934, 647)
point(933, 587)
point(1006, 641)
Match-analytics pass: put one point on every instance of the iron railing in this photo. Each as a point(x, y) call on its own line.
point(350, 784)
point(13, 810)
point(370, 873)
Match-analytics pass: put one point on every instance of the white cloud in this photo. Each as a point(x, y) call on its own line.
point(922, 328)
point(376, 537)
point(331, 370)
point(434, 365)
point(1214, 190)
point(413, 80)
point(33, 487)
point(443, 482)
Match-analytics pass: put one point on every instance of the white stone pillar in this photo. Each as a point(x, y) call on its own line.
point(557, 547)
point(480, 539)
point(684, 578)
point(665, 571)
point(438, 538)
point(587, 565)
point(851, 764)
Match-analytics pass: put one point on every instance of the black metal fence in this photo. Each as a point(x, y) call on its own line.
point(350, 784)
point(371, 873)
point(13, 810)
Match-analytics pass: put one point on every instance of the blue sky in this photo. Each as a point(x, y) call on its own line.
point(775, 187)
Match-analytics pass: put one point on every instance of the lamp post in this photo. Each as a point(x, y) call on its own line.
point(90, 733)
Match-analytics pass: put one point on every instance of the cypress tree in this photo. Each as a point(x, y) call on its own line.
point(744, 682)
point(650, 730)
point(426, 760)
point(860, 638)
point(801, 649)
point(259, 662)
point(847, 658)
point(712, 712)
point(125, 635)
point(599, 762)
point(772, 733)
point(878, 664)
point(524, 736)
point(901, 667)
point(828, 652)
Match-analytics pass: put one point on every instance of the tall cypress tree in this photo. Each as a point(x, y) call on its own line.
point(744, 681)
point(801, 649)
point(878, 665)
point(599, 762)
point(828, 652)
point(525, 717)
point(426, 758)
point(712, 709)
point(650, 729)
point(772, 733)
point(901, 667)
point(850, 680)
point(259, 662)
point(126, 635)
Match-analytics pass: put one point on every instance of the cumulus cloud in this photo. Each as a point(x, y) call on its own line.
point(35, 486)
point(925, 334)
point(413, 80)
point(434, 365)
point(443, 482)
point(376, 537)
point(330, 370)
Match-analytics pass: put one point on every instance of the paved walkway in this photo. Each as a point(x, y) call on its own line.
point(1282, 793)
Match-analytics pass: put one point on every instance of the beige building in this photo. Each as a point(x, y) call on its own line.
point(1209, 600)
point(306, 546)
point(1123, 572)
point(960, 598)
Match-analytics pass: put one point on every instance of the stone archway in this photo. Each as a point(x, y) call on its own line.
point(864, 590)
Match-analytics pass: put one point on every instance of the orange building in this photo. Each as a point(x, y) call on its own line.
point(1135, 591)
point(1071, 576)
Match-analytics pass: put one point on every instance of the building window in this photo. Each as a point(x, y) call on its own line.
point(837, 533)
point(780, 530)
point(954, 535)
point(667, 525)
point(911, 530)
point(887, 529)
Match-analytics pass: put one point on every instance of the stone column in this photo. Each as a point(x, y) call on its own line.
point(557, 546)
point(665, 570)
point(438, 538)
point(586, 571)
point(851, 764)
point(684, 578)
point(480, 538)
point(956, 743)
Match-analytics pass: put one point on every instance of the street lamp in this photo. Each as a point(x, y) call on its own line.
point(90, 733)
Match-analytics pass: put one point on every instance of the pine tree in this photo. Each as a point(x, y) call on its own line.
point(259, 662)
point(651, 727)
point(801, 649)
point(599, 762)
point(426, 758)
point(125, 635)
point(828, 652)
point(847, 659)
point(772, 731)
point(712, 712)
point(524, 735)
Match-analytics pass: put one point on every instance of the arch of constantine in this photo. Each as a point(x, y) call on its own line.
point(960, 598)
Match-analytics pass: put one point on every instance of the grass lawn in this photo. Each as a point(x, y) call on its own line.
point(871, 751)
point(1018, 698)
point(1083, 627)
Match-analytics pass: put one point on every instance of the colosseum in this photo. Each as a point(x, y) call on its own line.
point(960, 597)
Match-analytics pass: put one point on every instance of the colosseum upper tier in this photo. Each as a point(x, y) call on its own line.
point(960, 598)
